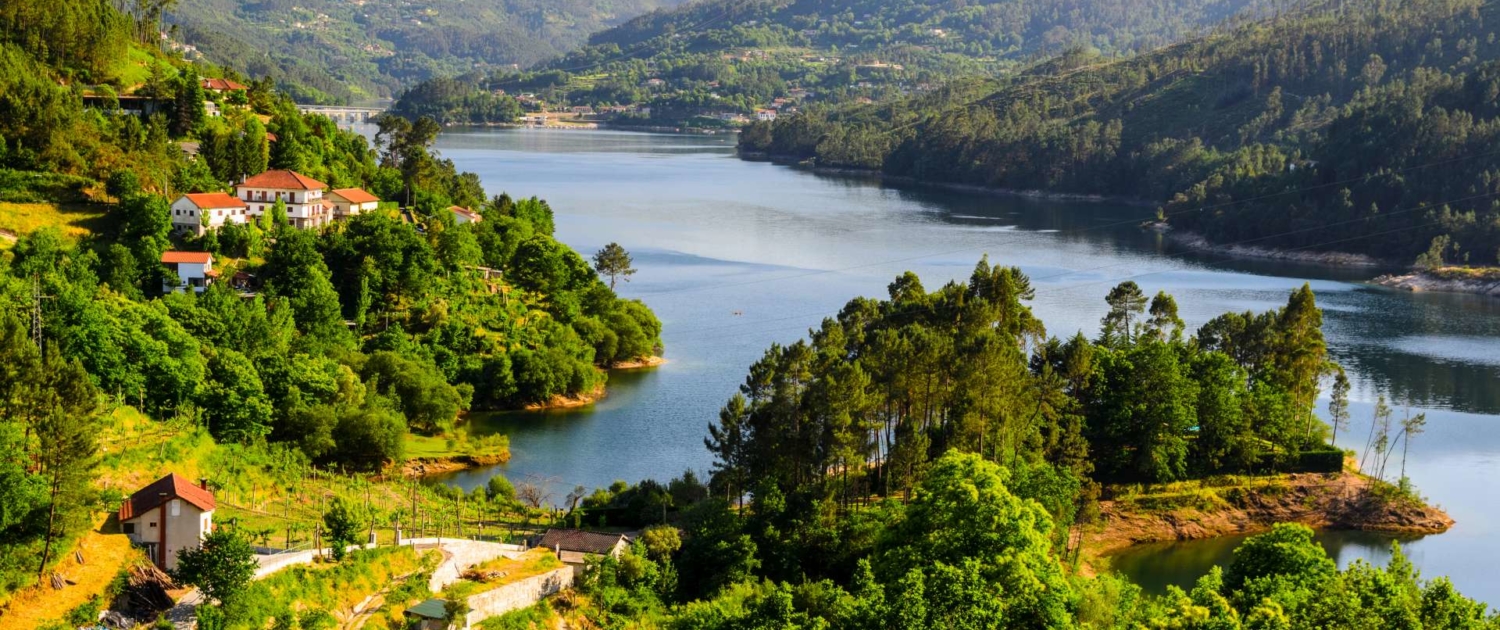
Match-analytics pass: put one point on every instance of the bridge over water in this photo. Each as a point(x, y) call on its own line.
point(342, 114)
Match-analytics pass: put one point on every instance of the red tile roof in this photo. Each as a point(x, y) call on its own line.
point(222, 84)
point(465, 211)
point(162, 490)
point(355, 195)
point(172, 258)
point(215, 200)
point(283, 180)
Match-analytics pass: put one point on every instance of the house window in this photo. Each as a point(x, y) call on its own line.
point(153, 524)
point(176, 505)
point(128, 528)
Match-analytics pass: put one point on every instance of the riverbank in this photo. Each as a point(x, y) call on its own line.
point(639, 363)
point(428, 466)
point(912, 182)
point(1245, 505)
point(1481, 281)
point(1198, 243)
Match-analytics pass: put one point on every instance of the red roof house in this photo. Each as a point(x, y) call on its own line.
point(167, 516)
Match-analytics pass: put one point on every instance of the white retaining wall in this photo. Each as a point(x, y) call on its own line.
point(518, 595)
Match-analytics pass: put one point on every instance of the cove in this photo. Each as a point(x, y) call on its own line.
point(734, 256)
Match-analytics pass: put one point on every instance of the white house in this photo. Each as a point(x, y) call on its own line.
point(168, 516)
point(464, 215)
point(348, 202)
point(303, 196)
point(765, 115)
point(222, 85)
point(193, 269)
point(194, 212)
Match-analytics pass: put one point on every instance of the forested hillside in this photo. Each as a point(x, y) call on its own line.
point(929, 460)
point(732, 57)
point(1348, 126)
point(332, 51)
point(334, 347)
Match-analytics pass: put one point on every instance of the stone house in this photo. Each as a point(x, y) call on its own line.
point(574, 546)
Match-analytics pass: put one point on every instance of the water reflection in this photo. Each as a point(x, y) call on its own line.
point(734, 256)
point(1156, 566)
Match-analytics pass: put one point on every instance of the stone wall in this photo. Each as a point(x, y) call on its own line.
point(518, 595)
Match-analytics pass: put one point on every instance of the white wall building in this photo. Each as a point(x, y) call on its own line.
point(195, 270)
point(464, 215)
point(348, 202)
point(194, 212)
point(303, 195)
point(166, 517)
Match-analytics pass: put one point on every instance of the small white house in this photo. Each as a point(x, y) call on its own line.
point(464, 215)
point(765, 115)
point(348, 202)
point(167, 516)
point(302, 195)
point(194, 270)
point(194, 212)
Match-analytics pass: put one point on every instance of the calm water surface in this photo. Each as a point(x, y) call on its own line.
point(734, 256)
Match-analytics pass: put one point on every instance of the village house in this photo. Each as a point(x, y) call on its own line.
point(348, 202)
point(194, 270)
point(220, 86)
point(167, 516)
point(303, 196)
point(765, 115)
point(582, 110)
point(194, 213)
point(574, 546)
point(464, 215)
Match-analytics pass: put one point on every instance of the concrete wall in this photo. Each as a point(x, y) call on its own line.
point(462, 554)
point(185, 529)
point(518, 595)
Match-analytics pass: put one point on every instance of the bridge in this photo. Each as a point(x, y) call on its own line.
point(339, 114)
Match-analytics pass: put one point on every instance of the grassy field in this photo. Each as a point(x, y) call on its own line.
point(104, 555)
point(133, 69)
point(430, 447)
point(75, 220)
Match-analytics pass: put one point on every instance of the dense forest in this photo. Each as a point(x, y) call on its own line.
point(924, 461)
point(331, 51)
point(334, 344)
point(732, 57)
point(1348, 126)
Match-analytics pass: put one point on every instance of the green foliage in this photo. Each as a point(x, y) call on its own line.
point(1239, 134)
point(345, 525)
point(221, 567)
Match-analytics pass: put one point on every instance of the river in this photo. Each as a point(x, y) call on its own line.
point(734, 256)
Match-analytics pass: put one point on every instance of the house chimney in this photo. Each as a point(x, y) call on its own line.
point(203, 483)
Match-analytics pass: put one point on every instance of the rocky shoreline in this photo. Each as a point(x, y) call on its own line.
point(1479, 284)
point(428, 466)
point(1345, 501)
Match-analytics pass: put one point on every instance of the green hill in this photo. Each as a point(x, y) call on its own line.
point(333, 50)
point(716, 59)
point(1352, 127)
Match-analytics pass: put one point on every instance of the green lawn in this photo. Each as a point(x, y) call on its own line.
point(427, 447)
